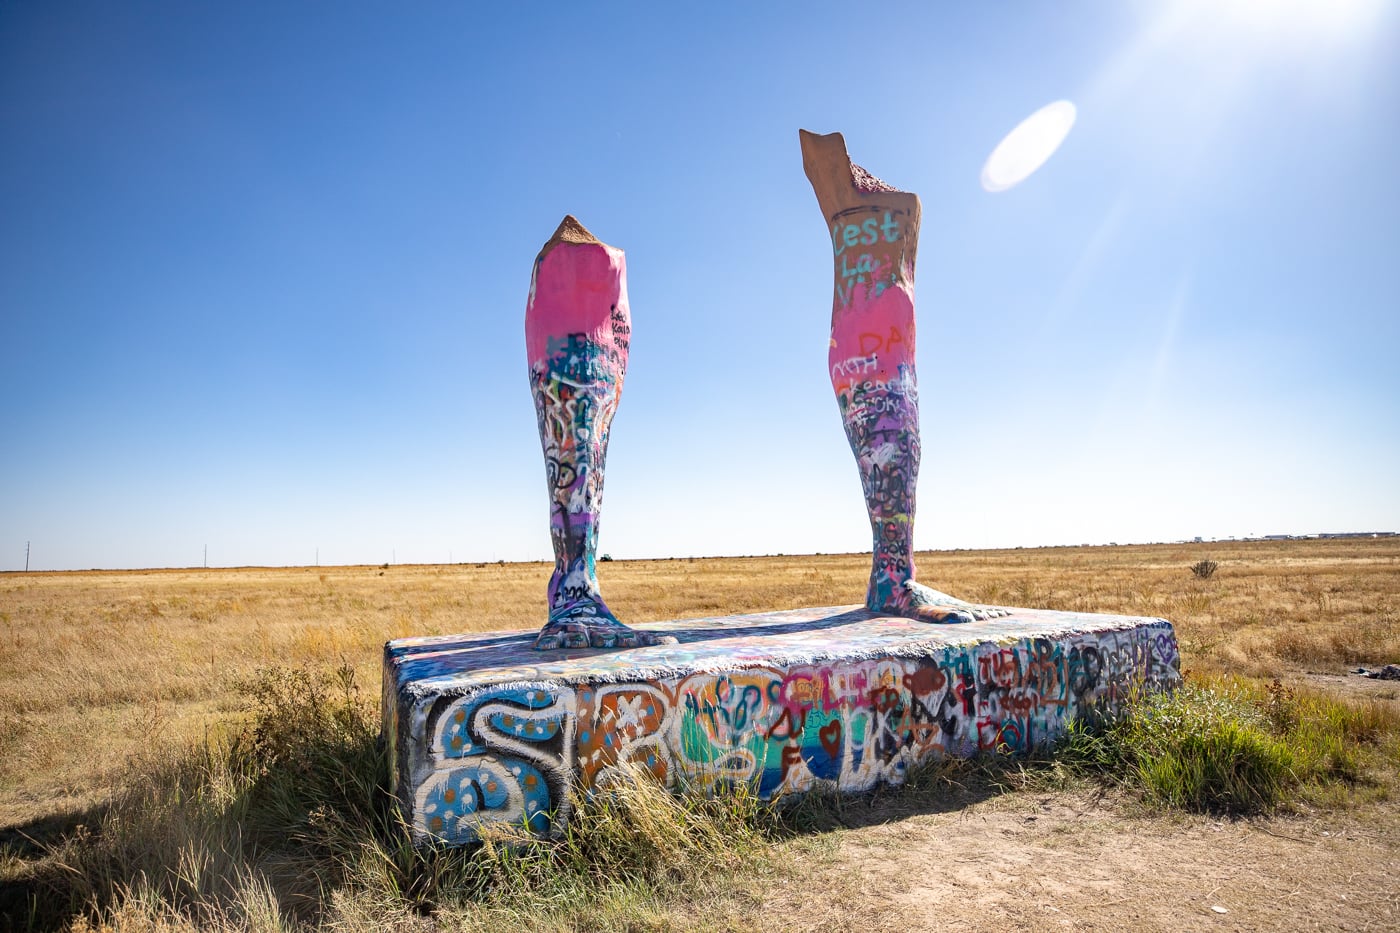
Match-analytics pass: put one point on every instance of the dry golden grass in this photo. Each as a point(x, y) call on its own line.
point(97, 665)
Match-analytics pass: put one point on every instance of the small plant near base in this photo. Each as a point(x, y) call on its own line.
point(1280, 707)
point(1199, 750)
point(1204, 569)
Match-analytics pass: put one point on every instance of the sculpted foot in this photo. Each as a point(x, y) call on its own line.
point(591, 625)
point(912, 600)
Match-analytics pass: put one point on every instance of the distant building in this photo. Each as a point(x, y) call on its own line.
point(1359, 534)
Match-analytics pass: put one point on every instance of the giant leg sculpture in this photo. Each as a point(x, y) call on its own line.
point(874, 236)
point(577, 326)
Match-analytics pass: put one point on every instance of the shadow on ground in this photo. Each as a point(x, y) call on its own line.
point(945, 786)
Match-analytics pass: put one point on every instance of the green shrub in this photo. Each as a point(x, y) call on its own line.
point(1200, 754)
point(1238, 746)
point(1196, 749)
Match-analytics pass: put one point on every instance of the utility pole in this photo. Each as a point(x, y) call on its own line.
point(26, 557)
point(206, 557)
point(318, 557)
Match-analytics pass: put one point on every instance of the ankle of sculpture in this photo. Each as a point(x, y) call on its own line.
point(892, 561)
point(574, 583)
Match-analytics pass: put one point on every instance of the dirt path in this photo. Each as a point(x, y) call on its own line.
point(1029, 861)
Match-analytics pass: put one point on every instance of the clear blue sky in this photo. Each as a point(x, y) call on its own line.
point(263, 270)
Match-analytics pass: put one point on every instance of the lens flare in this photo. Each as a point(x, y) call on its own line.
point(1028, 146)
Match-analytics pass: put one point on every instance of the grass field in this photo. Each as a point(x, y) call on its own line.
point(98, 669)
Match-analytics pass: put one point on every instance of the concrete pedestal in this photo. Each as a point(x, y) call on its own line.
point(481, 728)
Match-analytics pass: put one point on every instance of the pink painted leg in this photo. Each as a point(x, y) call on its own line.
point(874, 231)
point(577, 327)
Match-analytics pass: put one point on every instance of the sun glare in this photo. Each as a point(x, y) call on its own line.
point(1311, 20)
point(1028, 146)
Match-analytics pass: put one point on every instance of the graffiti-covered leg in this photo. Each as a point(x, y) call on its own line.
point(577, 326)
point(874, 231)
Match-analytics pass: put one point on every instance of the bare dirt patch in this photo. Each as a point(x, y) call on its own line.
point(1350, 685)
point(1078, 861)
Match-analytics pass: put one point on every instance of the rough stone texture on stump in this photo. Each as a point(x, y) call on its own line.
point(481, 728)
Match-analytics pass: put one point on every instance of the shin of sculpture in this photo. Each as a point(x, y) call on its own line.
point(874, 231)
point(577, 328)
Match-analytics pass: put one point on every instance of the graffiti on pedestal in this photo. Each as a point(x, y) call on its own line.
point(512, 754)
point(502, 756)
